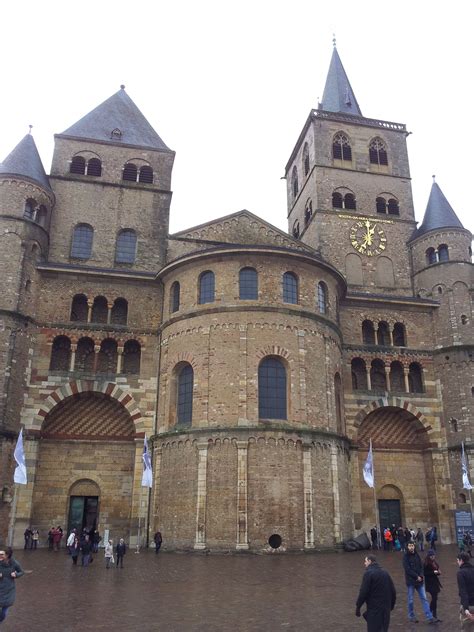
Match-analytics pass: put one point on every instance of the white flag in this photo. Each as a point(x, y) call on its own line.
point(465, 474)
point(369, 468)
point(19, 454)
point(147, 477)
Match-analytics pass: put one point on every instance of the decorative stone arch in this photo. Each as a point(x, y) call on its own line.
point(82, 386)
point(182, 356)
point(274, 350)
point(77, 486)
point(393, 402)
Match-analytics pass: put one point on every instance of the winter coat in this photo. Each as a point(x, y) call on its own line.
point(432, 583)
point(466, 585)
point(377, 589)
point(121, 549)
point(109, 550)
point(7, 582)
point(75, 548)
point(86, 548)
point(413, 568)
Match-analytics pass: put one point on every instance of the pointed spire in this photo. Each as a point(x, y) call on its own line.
point(25, 161)
point(338, 94)
point(117, 120)
point(439, 213)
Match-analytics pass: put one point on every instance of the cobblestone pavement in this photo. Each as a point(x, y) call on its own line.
point(180, 592)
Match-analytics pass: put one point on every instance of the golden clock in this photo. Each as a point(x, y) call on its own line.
point(368, 238)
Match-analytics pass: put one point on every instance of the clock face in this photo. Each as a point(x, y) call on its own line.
point(368, 238)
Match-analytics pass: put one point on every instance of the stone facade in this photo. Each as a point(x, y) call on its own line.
point(259, 364)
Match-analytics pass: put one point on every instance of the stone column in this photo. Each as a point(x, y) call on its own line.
point(73, 357)
point(387, 377)
point(200, 539)
point(119, 359)
point(242, 507)
point(308, 497)
point(335, 493)
point(109, 312)
point(406, 372)
point(390, 334)
point(369, 381)
point(96, 358)
point(243, 413)
point(89, 310)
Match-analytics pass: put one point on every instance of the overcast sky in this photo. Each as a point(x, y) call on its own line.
point(229, 85)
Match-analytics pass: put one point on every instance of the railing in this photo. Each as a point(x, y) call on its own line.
point(361, 120)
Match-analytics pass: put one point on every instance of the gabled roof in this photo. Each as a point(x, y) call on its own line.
point(338, 95)
point(118, 113)
point(25, 161)
point(438, 214)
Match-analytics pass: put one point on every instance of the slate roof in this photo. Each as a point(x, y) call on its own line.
point(338, 95)
point(25, 161)
point(118, 112)
point(438, 214)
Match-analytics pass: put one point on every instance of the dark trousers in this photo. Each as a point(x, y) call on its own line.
point(3, 612)
point(377, 620)
point(120, 561)
point(157, 547)
point(434, 604)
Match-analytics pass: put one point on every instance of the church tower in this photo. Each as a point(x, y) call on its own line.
point(349, 191)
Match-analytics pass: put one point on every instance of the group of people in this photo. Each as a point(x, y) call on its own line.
point(31, 536)
point(397, 538)
point(378, 592)
point(87, 543)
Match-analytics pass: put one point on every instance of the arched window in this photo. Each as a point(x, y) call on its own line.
point(322, 297)
point(378, 378)
point(368, 332)
point(393, 207)
point(131, 357)
point(130, 172)
point(146, 175)
point(430, 256)
point(443, 253)
point(294, 182)
point(308, 212)
point(339, 403)
point(337, 200)
point(272, 389)
point(99, 310)
point(358, 374)
point(350, 201)
point(462, 498)
point(306, 159)
point(296, 229)
point(42, 215)
point(399, 335)
point(174, 297)
point(78, 165)
point(82, 241)
point(397, 379)
point(341, 147)
point(206, 287)
point(85, 355)
point(107, 357)
point(378, 152)
point(119, 312)
point(79, 308)
point(126, 246)
point(30, 208)
point(290, 288)
point(60, 354)
point(184, 399)
point(383, 334)
point(381, 205)
point(415, 378)
point(94, 167)
point(248, 284)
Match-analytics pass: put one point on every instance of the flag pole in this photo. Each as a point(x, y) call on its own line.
point(377, 526)
point(140, 502)
point(11, 526)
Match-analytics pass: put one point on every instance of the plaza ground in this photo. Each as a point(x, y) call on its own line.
point(209, 593)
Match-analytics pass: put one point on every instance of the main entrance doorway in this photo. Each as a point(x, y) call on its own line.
point(390, 513)
point(83, 512)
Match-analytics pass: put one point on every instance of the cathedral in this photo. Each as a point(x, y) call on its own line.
point(258, 363)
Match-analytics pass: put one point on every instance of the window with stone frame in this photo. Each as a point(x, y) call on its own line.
point(94, 167)
point(145, 175)
point(119, 313)
point(306, 159)
point(378, 152)
point(368, 332)
point(79, 308)
point(126, 246)
point(341, 147)
point(359, 374)
point(248, 284)
point(308, 212)
point(272, 389)
point(322, 297)
point(290, 288)
point(175, 297)
point(107, 357)
point(82, 239)
point(131, 358)
point(60, 354)
point(184, 398)
point(130, 172)
point(207, 287)
point(415, 378)
point(294, 182)
point(100, 310)
point(443, 253)
point(78, 165)
point(378, 377)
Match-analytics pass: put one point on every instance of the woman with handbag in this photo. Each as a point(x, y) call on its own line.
point(109, 553)
point(432, 583)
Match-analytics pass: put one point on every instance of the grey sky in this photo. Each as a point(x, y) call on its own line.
point(228, 86)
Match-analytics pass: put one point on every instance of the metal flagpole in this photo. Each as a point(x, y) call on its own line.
point(377, 525)
point(11, 526)
point(140, 503)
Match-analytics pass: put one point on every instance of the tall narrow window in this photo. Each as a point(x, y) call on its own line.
point(397, 378)
point(126, 246)
point(131, 357)
point(350, 201)
point(322, 297)
point(399, 335)
point(100, 310)
point(107, 358)
point(308, 212)
point(294, 182)
point(42, 216)
point(378, 377)
point(415, 378)
point(82, 242)
point(378, 152)
point(60, 354)
point(175, 297)
point(381, 205)
point(79, 308)
point(30, 208)
point(206, 287)
point(393, 207)
point(290, 288)
point(248, 284)
point(430, 256)
point(184, 400)
point(443, 253)
point(306, 159)
point(359, 374)
point(146, 175)
point(94, 167)
point(272, 389)
point(296, 229)
point(341, 148)
point(119, 312)
point(337, 200)
point(130, 172)
point(78, 165)
point(383, 334)
point(85, 355)
point(368, 332)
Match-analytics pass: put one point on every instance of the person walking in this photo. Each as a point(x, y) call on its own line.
point(419, 538)
point(120, 550)
point(109, 554)
point(10, 571)
point(86, 548)
point(27, 536)
point(433, 538)
point(414, 580)
point(378, 592)
point(34, 539)
point(465, 578)
point(50, 538)
point(70, 540)
point(74, 550)
point(467, 541)
point(57, 535)
point(432, 583)
point(158, 541)
point(96, 539)
point(401, 538)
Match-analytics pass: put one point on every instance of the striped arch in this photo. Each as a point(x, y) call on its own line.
point(274, 350)
point(82, 386)
point(393, 402)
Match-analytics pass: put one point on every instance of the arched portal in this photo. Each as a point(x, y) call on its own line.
point(85, 465)
point(403, 469)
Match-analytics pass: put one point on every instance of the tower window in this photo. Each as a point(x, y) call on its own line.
point(378, 152)
point(272, 389)
point(290, 288)
point(94, 167)
point(30, 208)
point(443, 253)
point(175, 297)
point(126, 246)
point(350, 201)
point(337, 200)
point(341, 148)
point(82, 241)
point(78, 165)
point(206, 287)
point(294, 182)
point(119, 312)
point(248, 284)
point(79, 308)
point(399, 335)
point(305, 159)
point(60, 354)
point(146, 175)
point(415, 378)
point(430, 255)
point(359, 374)
point(308, 212)
point(392, 207)
point(296, 229)
point(381, 205)
point(130, 172)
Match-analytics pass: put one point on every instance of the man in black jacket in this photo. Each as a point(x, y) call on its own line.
point(378, 592)
point(414, 580)
point(466, 591)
